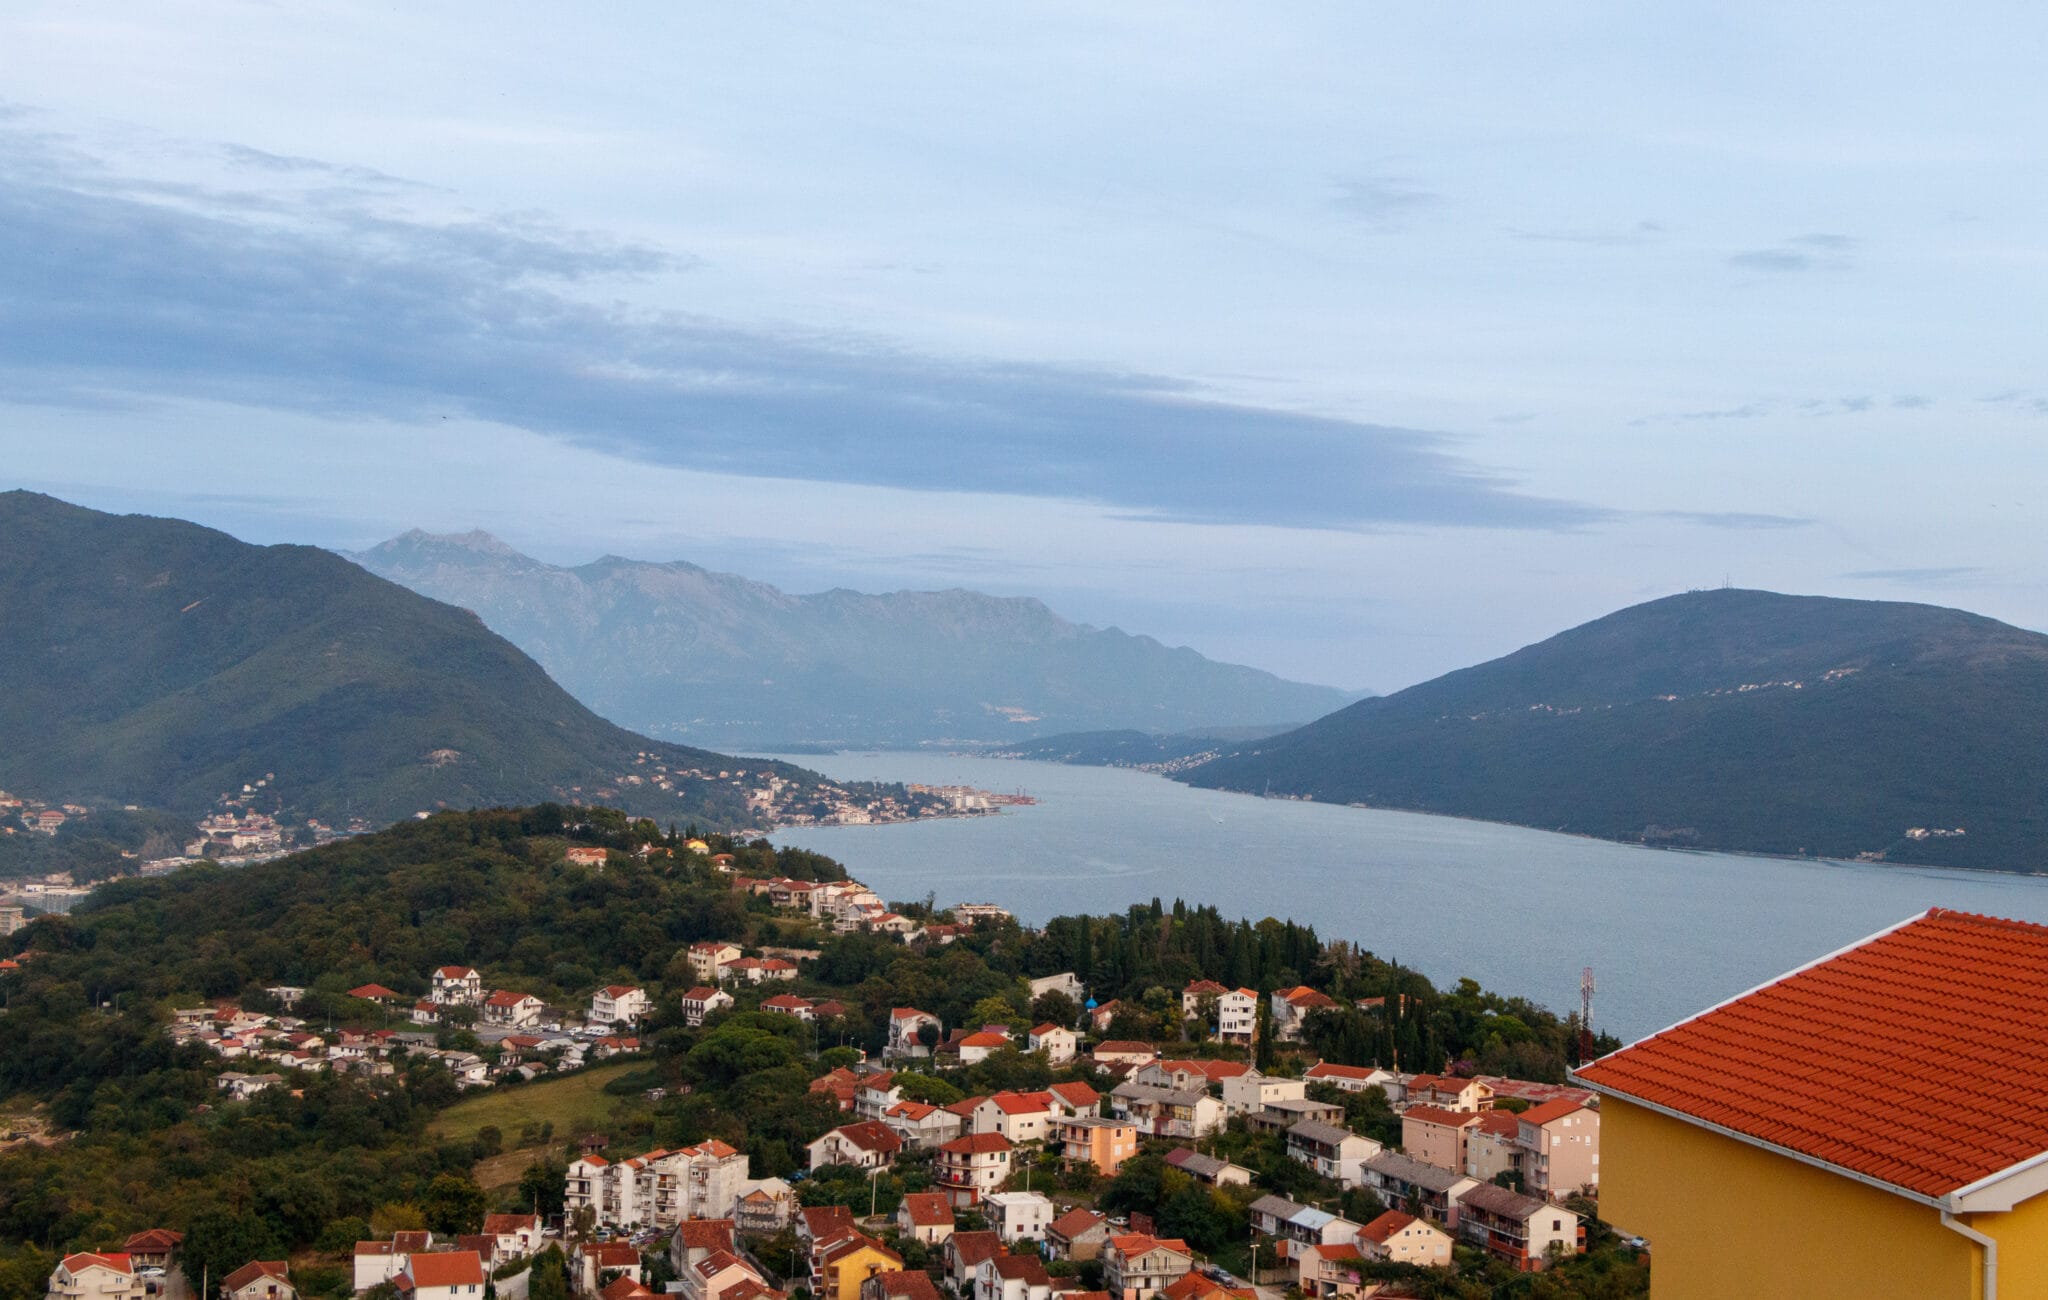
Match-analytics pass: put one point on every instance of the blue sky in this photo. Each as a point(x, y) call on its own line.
point(1354, 343)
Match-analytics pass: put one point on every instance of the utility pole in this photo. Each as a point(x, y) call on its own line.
point(1585, 1015)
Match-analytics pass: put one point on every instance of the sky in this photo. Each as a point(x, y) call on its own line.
point(1358, 343)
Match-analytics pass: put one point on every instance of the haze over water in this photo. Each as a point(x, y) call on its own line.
point(1519, 910)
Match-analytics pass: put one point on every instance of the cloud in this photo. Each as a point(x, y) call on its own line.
point(1933, 577)
point(1912, 402)
point(1382, 200)
point(1734, 519)
point(1746, 411)
point(295, 303)
point(1812, 252)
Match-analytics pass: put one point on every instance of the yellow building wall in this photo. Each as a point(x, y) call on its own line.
point(843, 1278)
point(1724, 1218)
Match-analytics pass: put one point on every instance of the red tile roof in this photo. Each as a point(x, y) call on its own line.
point(1551, 1110)
point(1325, 1070)
point(85, 1259)
point(457, 1268)
point(1022, 1103)
point(606, 1254)
point(1948, 1003)
point(1385, 1226)
point(372, 991)
point(977, 1144)
point(1075, 1094)
point(254, 1269)
point(927, 1209)
point(906, 1286)
point(155, 1239)
point(1437, 1115)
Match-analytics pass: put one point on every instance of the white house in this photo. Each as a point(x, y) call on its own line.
point(1332, 1152)
point(1018, 1216)
point(867, 1144)
point(701, 1001)
point(1349, 1078)
point(443, 1275)
point(89, 1276)
point(971, 1166)
point(1057, 1042)
point(1252, 1092)
point(618, 1004)
point(455, 985)
point(709, 959)
point(511, 1010)
point(1019, 1116)
point(1065, 982)
point(905, 1024)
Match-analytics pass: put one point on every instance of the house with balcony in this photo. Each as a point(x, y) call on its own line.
point(1332, 1151)
point(971, 1166)
point(1562, 1142)
point(923, 1127)
point(1012, 1277)
point(618, 1004)
point(1167, 1112)
point(1437, 1136)
point(1019, 1116)
point(709, 958)
point(701, 1001)
point(1017, 1216)
point(1397, 1177)
point(1102, 1144)
point(507, 1009)
point(1135, 1265)
point(867, 1144)
point(1057, 1042)
point(1250, 1092)
point(1077, 1235)
point(1526, 1231)
point(906, 1036)
point(90, 1276)
point(458, 986)
point(924, 1217)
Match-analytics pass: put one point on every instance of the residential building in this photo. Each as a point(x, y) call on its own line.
point(1526, 1231)
point(702, 1000)
point(974, 1048)
point(1251, 1092)
point(876, 1092)
point(1103, 1144)
point(618, 1004)
point(840, 1084)
point(789, 1004)
point(1019, 1116)
point(376, 1262)
point(1057, 1042)
point(1077, 1235)
point(766, 1206)
point(1562, 1139)
point(925, 1217)
point(1293, 1006)
point(1198, 996)
point(458, 986)
point(913, 1285)
point(154, 1248)
point(867, 1144)
point(90, 1276)
point(962, 1255)
point(1017, 1216)
point(1350, 1078)
point(720, 1275)
point(709, 959)
point(513, 1236)
point(1446, 1092)
point(1493, 1146)
point(1074, 1099)
point(1329, 1272)
point(511, 1010)
point(1405, 1239)
point(1397, 1178)
point(585, 856)
point(1135, 1265)
point(1012, 1277)
point(267, 1279)
point(659, 1189)
point(590, 1261)
point(850, 1261)
point(1122, 1051)
point(13, 917)
point(1194, 1075)
point(1437, 1136)
point(1213, 1170)
point(976, 913)
point(906, 1032)
point(1065, 982)
point(1309, 1226)
point(1869, 1107)
point(1167, 1112)
point(818, 1227)
point(923, 1127)
point(971, 1166)
point(1279, 1116)
point(1270, 1214)
point(1332, 1151)
point(449, 1275)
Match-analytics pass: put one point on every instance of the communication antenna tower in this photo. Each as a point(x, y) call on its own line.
point(1586, 987)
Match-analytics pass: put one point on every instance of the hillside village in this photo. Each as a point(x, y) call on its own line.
point(1049, 1143)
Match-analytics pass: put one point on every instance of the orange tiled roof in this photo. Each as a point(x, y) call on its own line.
point(1949, 997)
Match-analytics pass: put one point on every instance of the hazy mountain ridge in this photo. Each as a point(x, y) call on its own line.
point(681, 650)
point(157, 662)
point(1718, 719)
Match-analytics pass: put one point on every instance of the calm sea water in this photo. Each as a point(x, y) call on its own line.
point(1520, 911)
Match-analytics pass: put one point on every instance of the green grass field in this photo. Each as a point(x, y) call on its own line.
point(573, 1103)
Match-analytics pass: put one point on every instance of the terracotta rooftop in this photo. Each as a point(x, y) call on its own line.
point(1950, 1001)
point(455, 1268)
point(1385, 1226)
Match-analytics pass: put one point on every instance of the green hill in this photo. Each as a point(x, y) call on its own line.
point(1741, 720)
point(155, 662)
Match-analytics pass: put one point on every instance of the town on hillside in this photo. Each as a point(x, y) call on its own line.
point(1042, 1142)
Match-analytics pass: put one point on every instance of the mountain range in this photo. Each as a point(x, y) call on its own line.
point(1739, 720)
point(678, 650)
point(159, 663)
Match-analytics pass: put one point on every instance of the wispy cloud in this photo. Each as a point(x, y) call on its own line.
point(1811, 252)
point(1931, 577)
point(1735, 519)
point(1384, 200)
point(116, 283)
